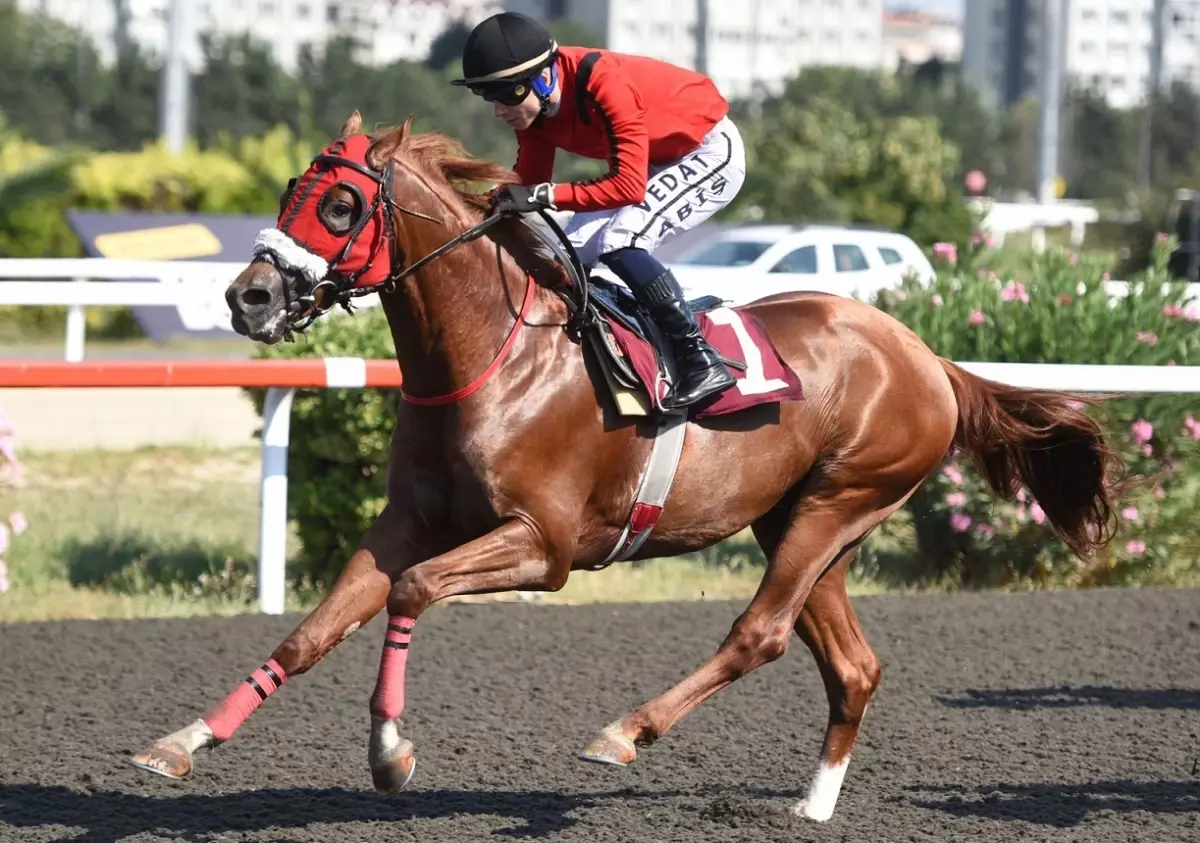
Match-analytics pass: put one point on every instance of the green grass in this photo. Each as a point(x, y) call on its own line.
point(50, 345)
point(173, 532)
point(153, 531)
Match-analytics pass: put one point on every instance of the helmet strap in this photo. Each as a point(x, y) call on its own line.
point(543, 89)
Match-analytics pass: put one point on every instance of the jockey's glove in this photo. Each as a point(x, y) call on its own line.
point(522, 199)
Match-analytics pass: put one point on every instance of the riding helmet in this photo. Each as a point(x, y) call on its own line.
point(506, 48)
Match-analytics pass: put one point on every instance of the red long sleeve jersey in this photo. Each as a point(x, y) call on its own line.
point(629, 110)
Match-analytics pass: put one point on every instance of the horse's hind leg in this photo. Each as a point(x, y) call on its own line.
point(850, 671)
point(818, 530)
point(359, 593)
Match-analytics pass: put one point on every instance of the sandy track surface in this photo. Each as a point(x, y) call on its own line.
point(1032, 717)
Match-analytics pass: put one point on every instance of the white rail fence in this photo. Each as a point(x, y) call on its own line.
point(195, 288)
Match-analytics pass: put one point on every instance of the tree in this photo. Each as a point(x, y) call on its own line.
point(820, 162)
point(242, 90)
point(446, 50)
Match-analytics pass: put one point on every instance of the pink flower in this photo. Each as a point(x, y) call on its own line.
point(953, 475)
point(1106, 277)
point(18, 523)
point(946, 251)
point(3, 577)
point(1037, 514)
point(1173, 310)
point(1161, 238)
point(1143, 431)
point(1148, 337)
point(1160, 492)
point(976, 318)
point(1021, 496)
point(12, 473)
point(1130, 513)
point(1014, 291)
point(960, 522)
point(1147, 451)
point(956, 499)
point(937, 300)
point(1135, 547)
point(987, 531)
point(1192, 426)
point(1192, 314)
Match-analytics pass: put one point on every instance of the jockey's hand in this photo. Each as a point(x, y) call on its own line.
point(522, 199)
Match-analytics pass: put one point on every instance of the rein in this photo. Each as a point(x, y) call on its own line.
point(477, 384)
point(574, 268)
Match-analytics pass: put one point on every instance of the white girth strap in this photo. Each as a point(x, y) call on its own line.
point(656, 484)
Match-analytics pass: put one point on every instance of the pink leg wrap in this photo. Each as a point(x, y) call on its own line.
point(225, 717)
point(388, 700)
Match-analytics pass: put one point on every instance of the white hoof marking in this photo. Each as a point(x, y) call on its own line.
point(195, 736)
point(823, 792)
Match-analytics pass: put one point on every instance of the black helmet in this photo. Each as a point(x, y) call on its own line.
point(505, 48)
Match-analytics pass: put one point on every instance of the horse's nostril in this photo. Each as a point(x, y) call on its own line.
point(255, 297)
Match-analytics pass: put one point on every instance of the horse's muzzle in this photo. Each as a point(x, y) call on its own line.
point(257, 303)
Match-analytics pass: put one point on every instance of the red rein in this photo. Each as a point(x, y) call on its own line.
point(477, 384)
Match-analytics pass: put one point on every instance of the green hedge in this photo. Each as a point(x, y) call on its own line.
point(338, 460)
point(243, 177)
point(1056, 309)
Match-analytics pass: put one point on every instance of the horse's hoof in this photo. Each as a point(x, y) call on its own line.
point(165, 758)
point(389, 756)
point(815, 812)
point(610, 747)
point(394, 774)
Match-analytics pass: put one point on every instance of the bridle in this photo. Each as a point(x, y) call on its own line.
point(337, 288)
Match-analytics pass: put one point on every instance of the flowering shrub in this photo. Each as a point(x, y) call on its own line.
point(11, 473)
point(1058, 310)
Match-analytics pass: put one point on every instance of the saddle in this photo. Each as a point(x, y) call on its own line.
point(637, 360)
point(601, 310)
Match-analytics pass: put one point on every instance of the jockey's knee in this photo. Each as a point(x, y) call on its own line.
point(636, 267)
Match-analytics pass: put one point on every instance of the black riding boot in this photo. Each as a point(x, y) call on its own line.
point(701, 372)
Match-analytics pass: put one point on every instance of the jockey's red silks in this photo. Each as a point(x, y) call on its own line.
point(363, 251)
point(225, 717)
point(388, 700)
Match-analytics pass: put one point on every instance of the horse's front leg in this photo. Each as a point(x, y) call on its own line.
point(360, 591)
point(516, 556)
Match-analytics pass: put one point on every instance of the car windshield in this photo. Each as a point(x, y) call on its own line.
point(725, 253)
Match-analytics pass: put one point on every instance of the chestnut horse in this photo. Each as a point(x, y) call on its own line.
point(523, 472)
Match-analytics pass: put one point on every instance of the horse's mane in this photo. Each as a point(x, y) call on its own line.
point(468, 178)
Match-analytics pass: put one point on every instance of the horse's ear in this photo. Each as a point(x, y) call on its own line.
point(386, 146)
point(351, 126)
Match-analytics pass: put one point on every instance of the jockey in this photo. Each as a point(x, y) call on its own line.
point(674, 159)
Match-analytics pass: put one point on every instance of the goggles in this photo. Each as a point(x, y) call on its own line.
point(510, 95)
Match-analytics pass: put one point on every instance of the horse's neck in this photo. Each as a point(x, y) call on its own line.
point(449, 319)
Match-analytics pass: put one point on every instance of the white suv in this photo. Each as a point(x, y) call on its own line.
point(742, 263)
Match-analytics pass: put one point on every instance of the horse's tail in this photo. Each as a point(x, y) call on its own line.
point(1045, 440)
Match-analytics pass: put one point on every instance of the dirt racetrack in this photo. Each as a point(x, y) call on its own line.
point(1032, 717)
